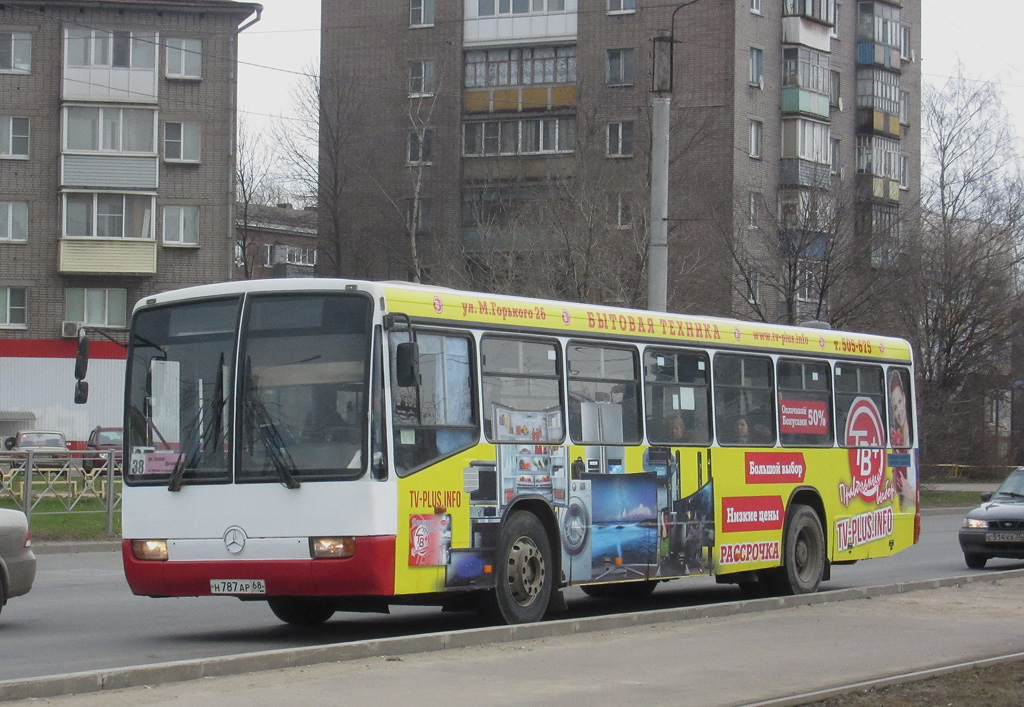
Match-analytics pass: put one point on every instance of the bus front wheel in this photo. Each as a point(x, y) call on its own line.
point(302, 611)
point(523, 565)
point(803, 563)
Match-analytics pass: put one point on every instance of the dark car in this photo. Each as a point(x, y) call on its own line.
point(102, 439)
point(996, 527)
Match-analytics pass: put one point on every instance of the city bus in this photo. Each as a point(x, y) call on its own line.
point(335, 445)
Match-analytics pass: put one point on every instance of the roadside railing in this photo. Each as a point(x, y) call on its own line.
point(51, 483)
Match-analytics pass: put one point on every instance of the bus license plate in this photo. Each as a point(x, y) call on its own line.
point(238, 586)
point(1005, 536)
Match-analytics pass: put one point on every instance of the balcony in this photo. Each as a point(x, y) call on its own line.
point(804, 173)
point(107, 256)
point(876, 54)
point(879, 122)
point(110, 171)
point(872, 187)
point(525, 98)
point(108, 83)
point(800, 100)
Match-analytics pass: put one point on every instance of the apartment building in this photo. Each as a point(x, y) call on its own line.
point(117, 130)
point(783, 113)
point(274, 241)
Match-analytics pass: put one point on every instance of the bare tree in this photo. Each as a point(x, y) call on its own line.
point(960, 303)
point(255, 184)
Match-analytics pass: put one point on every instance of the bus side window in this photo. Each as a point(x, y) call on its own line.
point(852, 382)
point(744, 400)
point(437, 417)
point(604, 390)
point(805, 403)
point(678, 395)
point(522, 390)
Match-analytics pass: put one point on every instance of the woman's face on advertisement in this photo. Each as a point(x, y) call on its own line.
point(899, 406)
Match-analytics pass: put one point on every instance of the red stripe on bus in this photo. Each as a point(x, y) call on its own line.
point(58, 348)
point(370, 572)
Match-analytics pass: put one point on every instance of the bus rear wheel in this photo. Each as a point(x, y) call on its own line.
point(803, 562)
point(302, 611)
point(523, 566)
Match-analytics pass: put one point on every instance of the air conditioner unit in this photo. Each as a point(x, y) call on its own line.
point(69, 330)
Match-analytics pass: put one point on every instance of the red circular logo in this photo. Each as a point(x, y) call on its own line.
point(566, 319)
point(736, 333)
point(865, 435)
point(438, 305)
point(821, 342)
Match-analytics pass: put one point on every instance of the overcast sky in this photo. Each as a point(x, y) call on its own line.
point(984, 35)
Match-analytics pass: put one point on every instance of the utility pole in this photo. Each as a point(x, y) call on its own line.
point(661, 110)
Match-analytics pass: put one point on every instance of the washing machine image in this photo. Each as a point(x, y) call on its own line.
point(575, 528)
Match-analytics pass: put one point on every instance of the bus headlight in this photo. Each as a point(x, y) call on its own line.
point(149, 549)
point(332, 547)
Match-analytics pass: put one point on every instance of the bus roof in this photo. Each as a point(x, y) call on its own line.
point(429, 303)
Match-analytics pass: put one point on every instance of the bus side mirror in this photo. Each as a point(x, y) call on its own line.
point(81, 392)
point(407, 364)
point(82, 357)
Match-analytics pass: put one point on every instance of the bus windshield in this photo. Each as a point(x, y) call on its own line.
point(294, 392)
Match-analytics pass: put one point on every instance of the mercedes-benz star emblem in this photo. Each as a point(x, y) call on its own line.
point(234, 539)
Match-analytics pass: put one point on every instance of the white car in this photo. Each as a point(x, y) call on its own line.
point(17, 561)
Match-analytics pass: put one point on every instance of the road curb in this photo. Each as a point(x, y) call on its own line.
point(179, 671)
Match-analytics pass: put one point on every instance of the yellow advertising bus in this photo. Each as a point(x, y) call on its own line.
point(335, 445)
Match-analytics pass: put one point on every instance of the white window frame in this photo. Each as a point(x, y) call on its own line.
point(755, 6)
point(754, 208)
point(756, 138)
point(8, 309)
point(181, 57)
point(494, 8)
point(624, 61)
point(189, 141)
point(421, 78)
point(757, 67)
point(620, 138)
point(9, 133)
point(177, 219)
point(421, 13)
point(112, 300)
point(94, 215)
point(621, 7)
point(17, 45)
point(293, 254)
point(620, 207)
point(101, 48)
point(13, 213)
point(103, 115)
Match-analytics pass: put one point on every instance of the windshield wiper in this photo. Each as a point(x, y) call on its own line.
point(272, 440)
point(1012, 494)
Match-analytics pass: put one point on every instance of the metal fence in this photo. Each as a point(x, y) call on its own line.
point(51, 483)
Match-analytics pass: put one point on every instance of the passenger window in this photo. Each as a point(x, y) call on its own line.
point(862, 387)
point(744, 400)
point(805, 403)
point(677, 384)
point(436, 418)
point(604, 390)
point(522, 390)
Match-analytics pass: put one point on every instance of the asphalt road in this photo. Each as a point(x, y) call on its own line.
point(80, 615)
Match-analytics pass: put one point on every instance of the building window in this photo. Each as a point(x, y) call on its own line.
point(109, 129)
point(278, 253)
point(823, 11)
point(121, 49)
point(421, 78)
point(417, 214)
point(421, 12)
point(878, 156)
point(756, 132)
point(13, 221)
point(108, 215)
point(879, 23)
point(420, 146)
point(181, 142)
point(13, 137)
point(184, 58)
point(905, 107)
point(836, 156)
point(834, 29)
point(755, 6)
point(621, 6)
point(620, 139)
point(181, 225)
point(904, 172)
point(755, 207)
point(12, 306)
point(878, 89)
point(15, 52)
point(510, 137)
point(490, 8)
point(904, 42)
point(619, 67)
point(834, 93)
point(520, 67)
point(807, 140)
point(96, 306)
point(806, 68)
point(757, 67)
point(620, 212)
